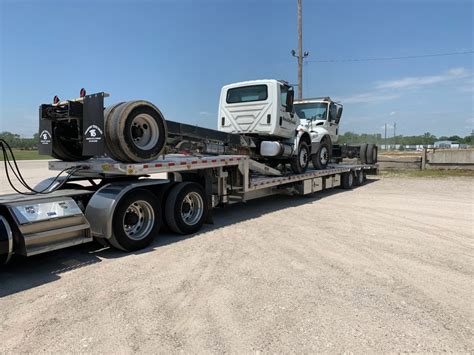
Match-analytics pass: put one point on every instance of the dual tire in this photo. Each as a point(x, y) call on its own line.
point(138, 216)
point(368, 153)
point(135, 131)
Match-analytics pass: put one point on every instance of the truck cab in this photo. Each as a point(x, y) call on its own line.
point(321, 116)
point(261, 108)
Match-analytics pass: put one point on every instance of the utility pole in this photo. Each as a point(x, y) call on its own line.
point(300, 55)
point(385, 137)
point(394, 135)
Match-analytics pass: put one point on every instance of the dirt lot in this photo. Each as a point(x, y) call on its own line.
point(384, 267)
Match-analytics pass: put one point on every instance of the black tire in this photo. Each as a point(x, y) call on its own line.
point(371, 155)
point(347, 180)
point(137, 131)
point(66, 145)
point(136, 220)
point(300, 163)
point(322, 156)
point(363, 153)
point(186, 208)
point(359, 178)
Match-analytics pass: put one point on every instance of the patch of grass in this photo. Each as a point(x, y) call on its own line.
point(426, 173)
point(29, 155)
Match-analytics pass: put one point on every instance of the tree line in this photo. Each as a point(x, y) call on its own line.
point(424, 139)
point(17, 142)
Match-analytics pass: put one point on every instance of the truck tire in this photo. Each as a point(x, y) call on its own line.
point(371, 155)
point(137, 132)
point(186, 208)
point(66, 146)
point(300, 163)
point(363, 153)
point(347, 180)
point(359, 178)
point(322, 156)
point(136, 220)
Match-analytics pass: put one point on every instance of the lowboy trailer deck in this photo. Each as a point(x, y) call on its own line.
point(123, 205)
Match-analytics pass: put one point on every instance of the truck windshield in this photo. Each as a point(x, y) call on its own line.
point(247, 94)
point(312, 111)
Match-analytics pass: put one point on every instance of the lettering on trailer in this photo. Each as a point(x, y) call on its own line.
point(45, 137)
point(93, 134)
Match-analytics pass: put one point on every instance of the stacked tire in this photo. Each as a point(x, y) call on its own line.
point(368, 153)
point(135, 131)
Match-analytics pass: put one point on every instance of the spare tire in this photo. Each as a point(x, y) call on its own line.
point(363, 153)
point(66, 144)
point(136, 131)
point(371, 153)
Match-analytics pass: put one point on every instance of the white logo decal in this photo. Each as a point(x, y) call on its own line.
point(93, 134)
point(45, 137)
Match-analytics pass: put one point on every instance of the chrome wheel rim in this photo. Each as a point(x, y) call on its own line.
point(323, 155)
point(303, 156)
point(192, 208)
point(144, 131)
point(138, 220)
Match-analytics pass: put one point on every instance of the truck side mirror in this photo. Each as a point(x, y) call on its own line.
point(289, 100)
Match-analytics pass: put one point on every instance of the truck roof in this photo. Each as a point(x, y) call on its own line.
point(254, 82)
point(314, 99)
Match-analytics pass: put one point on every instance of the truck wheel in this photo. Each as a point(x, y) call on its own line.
point(371, 156)
point(348, 180)
point(137, 131)
point(299, 164)
point(322, 156)
point(186, 208)
point(136, 220)
point(363, 153)
point(359, 180)
point(66, 146)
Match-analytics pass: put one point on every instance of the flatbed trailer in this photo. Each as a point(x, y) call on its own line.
point(124, 205)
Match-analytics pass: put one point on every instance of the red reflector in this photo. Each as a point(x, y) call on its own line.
point(183, 163)
point(145, 166)
point(171, 164)
point(158, 165)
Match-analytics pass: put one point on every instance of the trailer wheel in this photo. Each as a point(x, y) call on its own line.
point(137, 131)
point(299, 164)
point(322, 156)
point(186, 208)
point(359, 180)
point(347, 180)
point(136, 220)
point(363, 153)
point(371, 156)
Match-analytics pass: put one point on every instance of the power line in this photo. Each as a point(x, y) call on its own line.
point(390, 58)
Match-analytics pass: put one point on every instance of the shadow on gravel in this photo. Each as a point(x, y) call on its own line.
point(25, 273)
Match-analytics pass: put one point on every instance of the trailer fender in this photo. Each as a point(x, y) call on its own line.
point(6, 241)
point(100, 209)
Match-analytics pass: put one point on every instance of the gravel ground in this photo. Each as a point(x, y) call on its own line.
point(386, 267)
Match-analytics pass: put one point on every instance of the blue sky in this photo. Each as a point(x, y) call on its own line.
point(178, 54)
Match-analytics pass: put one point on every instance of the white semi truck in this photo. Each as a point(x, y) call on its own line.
point(123, 204)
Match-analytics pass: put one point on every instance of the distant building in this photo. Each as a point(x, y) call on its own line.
point(449, 145)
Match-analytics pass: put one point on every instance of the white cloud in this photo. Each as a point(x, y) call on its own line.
point(393, 113)
point(419, 81)
point(205, 113)
point(369, 97)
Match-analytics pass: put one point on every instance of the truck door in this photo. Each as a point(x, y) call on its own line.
point(288, 121)
point(332, 125)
